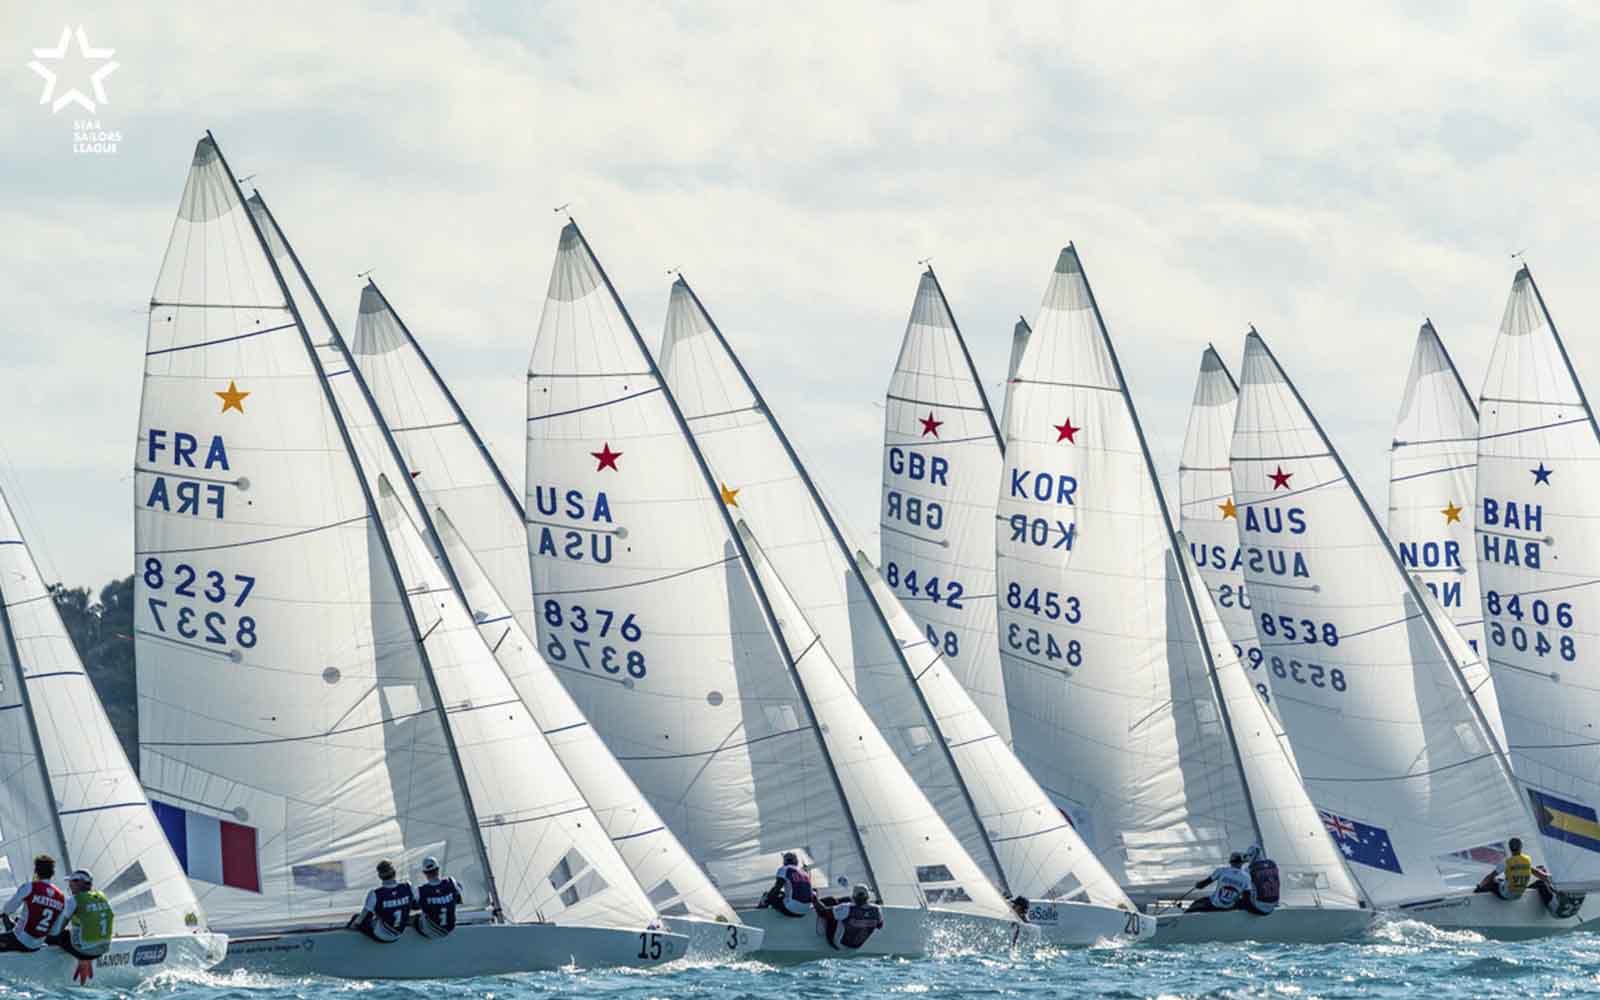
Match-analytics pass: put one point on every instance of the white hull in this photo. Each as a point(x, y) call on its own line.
point(797, 939)
point(1505, 920)
point(472, 950)
point(1287, 925)
point(715, 939)
point(130, 961)
point(1081, 924)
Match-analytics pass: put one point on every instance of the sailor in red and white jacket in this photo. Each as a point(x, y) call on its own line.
point(39, 904)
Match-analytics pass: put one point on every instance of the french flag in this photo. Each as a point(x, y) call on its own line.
point(210, 849)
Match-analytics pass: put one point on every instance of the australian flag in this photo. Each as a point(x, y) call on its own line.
point(1363, 844)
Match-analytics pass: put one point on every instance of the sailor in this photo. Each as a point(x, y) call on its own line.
point(1262, 898)
point(792, 894)
point(1511, 878)
point(384, 915)
point(87, 922)
point(1232, 884)
point(41, 905)
point(853, 922)
point(1020, 905)
point(437, 899)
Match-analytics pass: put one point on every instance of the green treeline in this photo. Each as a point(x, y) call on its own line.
point(102, 629)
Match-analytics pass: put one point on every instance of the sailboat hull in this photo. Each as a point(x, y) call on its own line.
point(130, 961)
point(472, 950)
point(1287, 925)
point(799, 939)
point(714, 938)
point(1079, 924)
point(1501, 919)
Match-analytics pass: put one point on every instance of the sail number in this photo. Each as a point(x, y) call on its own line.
point(1302, 630)
point(1540, 614)
point(1253, 659)
point(1314, 674)
point(1044, 604)
point(949, 592)
point(194, 621)
point(589, 628)
point(1036, 642)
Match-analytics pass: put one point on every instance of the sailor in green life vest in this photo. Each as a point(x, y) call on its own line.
point(86, 925)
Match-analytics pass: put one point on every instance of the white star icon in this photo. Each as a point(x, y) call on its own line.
point(74, 95)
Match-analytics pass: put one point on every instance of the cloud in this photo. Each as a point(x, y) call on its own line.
point(1330, 175)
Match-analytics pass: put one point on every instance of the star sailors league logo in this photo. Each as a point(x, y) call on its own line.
point(74, 74)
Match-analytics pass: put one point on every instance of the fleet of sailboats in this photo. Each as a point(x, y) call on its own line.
point(611, 700)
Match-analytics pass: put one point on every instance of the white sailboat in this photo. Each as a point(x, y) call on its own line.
point(1126, 701)
point(70, 793)
point(457, 479)
point(1433, 472)
point(1366, 670)
point(356, 721)
point(1539, 561)
point(896, 666)
point(651, 610)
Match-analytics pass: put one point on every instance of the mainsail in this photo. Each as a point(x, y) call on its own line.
point(1109, 662)
point(941, 462)
point(896, 669)
point(1433, 471)
point(1364, 668)
point(1538, 556)
point(68, 789)
point(260, 559)
point(650, 612)
point(1019, 344)
point(453, 472)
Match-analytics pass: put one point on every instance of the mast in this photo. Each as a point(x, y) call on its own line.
point(744, 553)
point(377, 523)
point(1497, 751)
point(27, 710)
point(461, 414)
point(855, 565)
point(972, 369)
point(1173, 546)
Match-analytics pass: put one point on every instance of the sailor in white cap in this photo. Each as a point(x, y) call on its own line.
point(437, 899)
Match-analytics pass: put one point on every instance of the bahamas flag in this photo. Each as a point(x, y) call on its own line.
point(1569, 822)
point(1363, 844)
point(210, 849)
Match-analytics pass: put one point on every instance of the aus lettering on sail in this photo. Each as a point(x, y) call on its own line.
point(1499, 520)
point(1267, 520)
point(904, 505)
point(572, 524)
point(1056, 488)
point(187, 473)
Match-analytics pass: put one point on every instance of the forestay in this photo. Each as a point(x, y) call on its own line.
point(1112, 704)
point(68, 789)
point(1539, 562)
point(1207, 513)
point(1392, 750)
point(658, 631)
point(1433, 471)
point(283, 701)
point(936, 526)
point(761, 478)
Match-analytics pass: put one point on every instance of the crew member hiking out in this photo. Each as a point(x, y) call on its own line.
point(1231, 885)
point(384, 915)
point(1264, 892)
point(87, 922)
point(40, 904)
point(792, 894)
point(437, 899)
point(850, 924)
point(1511, 878)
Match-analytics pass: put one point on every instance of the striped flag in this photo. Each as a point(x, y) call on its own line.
point(210, 849)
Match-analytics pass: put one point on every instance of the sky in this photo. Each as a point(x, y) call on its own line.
point(1331, 175)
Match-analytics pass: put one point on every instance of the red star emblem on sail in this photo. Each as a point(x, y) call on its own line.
point(1280, 479)
point(1066, 432)
point(930, 425)
point(607, 458)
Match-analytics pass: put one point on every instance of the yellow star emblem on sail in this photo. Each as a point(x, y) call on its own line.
point(729, 497)
point(1452, 513)
point(1228, 509)
point(232, 397)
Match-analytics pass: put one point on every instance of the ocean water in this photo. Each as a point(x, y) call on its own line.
point(1399, 959)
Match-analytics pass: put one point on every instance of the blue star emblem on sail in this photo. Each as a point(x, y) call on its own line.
point(1541, 475)
point(1363, 844)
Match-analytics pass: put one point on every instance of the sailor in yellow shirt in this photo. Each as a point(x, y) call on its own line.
point(85, 927)
point(1515, 874)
